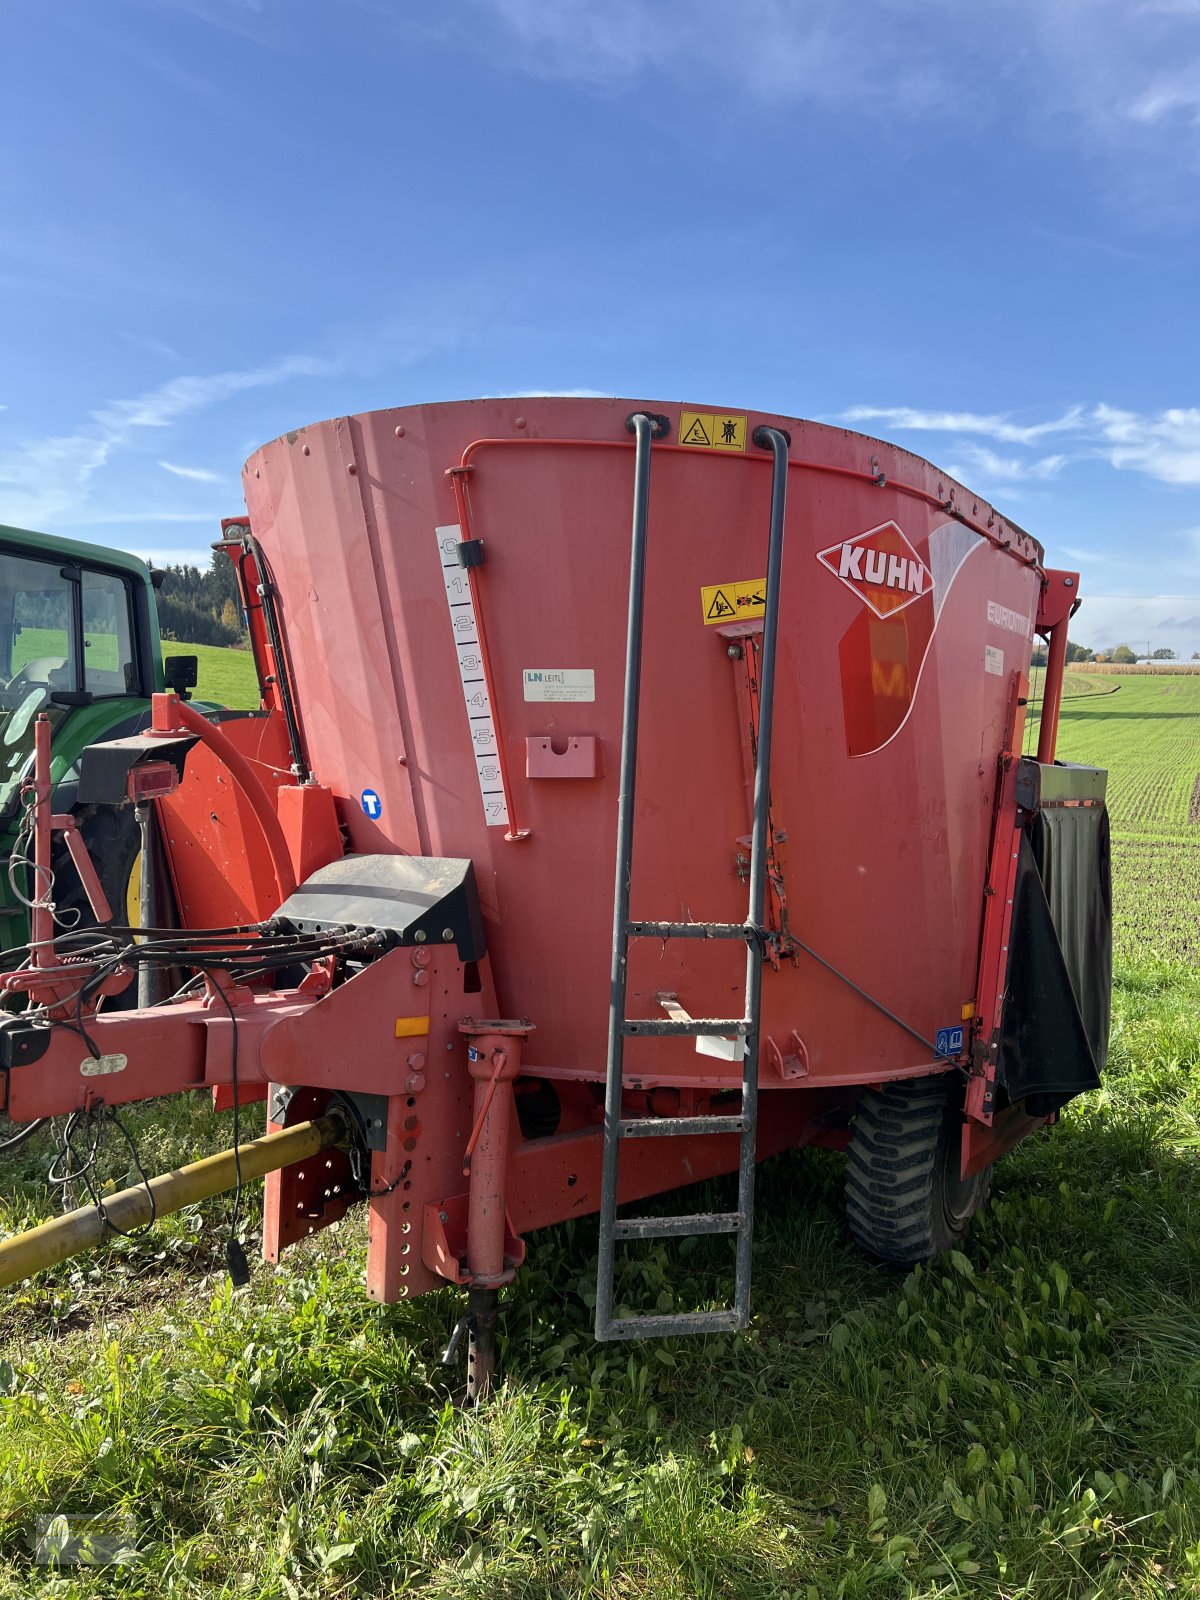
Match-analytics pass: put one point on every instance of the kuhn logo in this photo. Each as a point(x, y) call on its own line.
point(881, 567)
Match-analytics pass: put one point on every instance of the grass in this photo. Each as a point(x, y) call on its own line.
point(1019, 1421)
point(226, 677)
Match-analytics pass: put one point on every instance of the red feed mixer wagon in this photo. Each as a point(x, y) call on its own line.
point(575, 857)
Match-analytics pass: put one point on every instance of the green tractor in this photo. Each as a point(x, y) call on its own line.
point(79, 640)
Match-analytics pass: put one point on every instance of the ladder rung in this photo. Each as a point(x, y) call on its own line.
point(682, 1322)
point(677, 1227)
point(688, 930)
point(678, 1127)
point(693, 1027)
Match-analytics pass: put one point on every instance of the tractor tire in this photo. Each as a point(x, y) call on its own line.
point(114, 843)
point(905, 1200)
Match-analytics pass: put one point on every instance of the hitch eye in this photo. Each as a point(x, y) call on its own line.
point(151, 780)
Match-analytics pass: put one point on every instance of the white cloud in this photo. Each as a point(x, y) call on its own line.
point(554, 394)
point(114, 518)
point(199, 556)
point(44, 482)
point(194, 474)
point(181, 396)
point(1171, 620)
point(1165, 96)
point(1009, 469)
point(1097, 69)
point(1164, 445)
point(1000, 428)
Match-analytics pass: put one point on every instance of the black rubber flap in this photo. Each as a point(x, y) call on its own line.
point(1054, 1025)
point(418, 899)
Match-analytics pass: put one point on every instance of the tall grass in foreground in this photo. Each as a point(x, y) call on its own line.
point(1022, 1420)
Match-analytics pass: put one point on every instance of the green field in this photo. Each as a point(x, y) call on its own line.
point(226, 677)
point(1146, 731)
point(1021, 1422)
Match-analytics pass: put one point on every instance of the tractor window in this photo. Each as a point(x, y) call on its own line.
point(35, 613)
point(108, 663)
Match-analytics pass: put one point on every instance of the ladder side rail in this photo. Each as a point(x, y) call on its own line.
point(643, 428)
point(779, 445)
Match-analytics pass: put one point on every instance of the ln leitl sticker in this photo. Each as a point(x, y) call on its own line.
point(560, 683)
point(993, 660)
point(880, 567)
point(710, 430)
point(733, 602)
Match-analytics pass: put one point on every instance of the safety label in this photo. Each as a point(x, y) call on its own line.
point(560, 683)
point(733, 602)
point(993, 660)
point(470, 672)
point(710, 430)
point(371, 804)
point(949, 1041)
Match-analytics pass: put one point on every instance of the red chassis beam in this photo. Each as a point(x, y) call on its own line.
point(395, 1031)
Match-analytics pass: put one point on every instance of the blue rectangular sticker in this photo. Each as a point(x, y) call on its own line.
point(949, 1041)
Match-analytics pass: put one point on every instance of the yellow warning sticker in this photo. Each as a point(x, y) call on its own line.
point(709, 430)
point(733, 602)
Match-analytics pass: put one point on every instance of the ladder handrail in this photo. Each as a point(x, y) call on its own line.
point(760, 839)
point(643, 429)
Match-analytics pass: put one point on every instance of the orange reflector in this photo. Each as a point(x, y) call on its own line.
point(409, 1027)
point(968, 1011)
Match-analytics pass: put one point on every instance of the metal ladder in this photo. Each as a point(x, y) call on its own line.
point(620, 1027)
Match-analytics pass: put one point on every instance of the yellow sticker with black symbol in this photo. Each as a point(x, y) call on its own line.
point(712, 430)
point(733, 602)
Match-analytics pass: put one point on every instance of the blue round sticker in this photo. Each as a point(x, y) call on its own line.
point(371, 804)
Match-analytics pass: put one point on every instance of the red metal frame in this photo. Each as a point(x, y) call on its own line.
point(169, 716)
point(1057, 605)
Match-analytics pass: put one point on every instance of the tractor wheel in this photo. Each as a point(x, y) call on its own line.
point(905, 1199)
point(114, 843)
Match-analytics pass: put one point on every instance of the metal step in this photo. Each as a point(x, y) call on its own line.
point(677, 1227)
point(689, 930)
point(655, 1327)
point(678, 1127)
point(694, 1027)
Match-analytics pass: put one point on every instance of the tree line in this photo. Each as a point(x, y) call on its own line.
point(201, 607)
point(1121, 655)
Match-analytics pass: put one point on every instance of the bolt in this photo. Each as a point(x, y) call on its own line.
point(448, 934)
point(519, 422)
point(735, 652)
point(399, 430)
point(420, 936)
point(420, 977)
point(351, 468)
point(443, 1216)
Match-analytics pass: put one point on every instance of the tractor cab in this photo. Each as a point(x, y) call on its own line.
point(79, 642)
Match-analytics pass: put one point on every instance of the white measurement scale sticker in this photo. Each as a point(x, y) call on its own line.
point(470, 671)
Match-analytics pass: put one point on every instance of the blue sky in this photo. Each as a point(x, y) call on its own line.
point(971, 229)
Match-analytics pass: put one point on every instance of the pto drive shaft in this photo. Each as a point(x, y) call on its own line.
point(84, 1229)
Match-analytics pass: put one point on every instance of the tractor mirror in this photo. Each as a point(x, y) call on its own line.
point(180, 673)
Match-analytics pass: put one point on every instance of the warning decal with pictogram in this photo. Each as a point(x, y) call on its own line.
point(733, 602)
point(712, 430)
